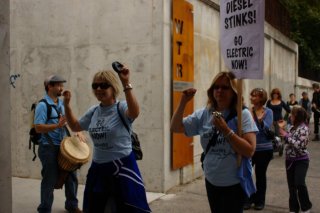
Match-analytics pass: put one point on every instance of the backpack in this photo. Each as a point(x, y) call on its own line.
point(34, 137)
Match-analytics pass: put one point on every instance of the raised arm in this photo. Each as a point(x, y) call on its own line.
point(71, 119)
point(176, 120)
point(133, 106)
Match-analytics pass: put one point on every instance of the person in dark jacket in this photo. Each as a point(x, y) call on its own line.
point(316, 109)
point(306, 104)
point(276, 104)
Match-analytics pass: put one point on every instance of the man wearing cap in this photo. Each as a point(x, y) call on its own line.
point(316, 109)
point(53, 132)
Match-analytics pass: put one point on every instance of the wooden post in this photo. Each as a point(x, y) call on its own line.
point(239, 114)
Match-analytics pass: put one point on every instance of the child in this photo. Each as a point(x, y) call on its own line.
point(297, 160)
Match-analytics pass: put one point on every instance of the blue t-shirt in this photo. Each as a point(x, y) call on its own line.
point(220, 163)
point(110, 138)
point(40, 117)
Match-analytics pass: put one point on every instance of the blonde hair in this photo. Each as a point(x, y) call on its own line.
point(233, 84)
point(111, 78)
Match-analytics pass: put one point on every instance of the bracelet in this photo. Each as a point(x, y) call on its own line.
point(127, 87)
point(228, 136)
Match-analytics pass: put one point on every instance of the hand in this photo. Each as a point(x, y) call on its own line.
point(66, 97)
point(124, 75)
point(282, 132)
point(188, 94)
point(220, 124)
point(81, 137)
point(62, 121)
point(282, 124)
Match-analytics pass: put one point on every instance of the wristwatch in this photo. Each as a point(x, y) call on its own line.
point(127, 87)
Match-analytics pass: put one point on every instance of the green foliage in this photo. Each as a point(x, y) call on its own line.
point(305, 30)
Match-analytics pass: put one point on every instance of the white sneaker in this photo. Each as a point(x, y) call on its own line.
point(308, 211)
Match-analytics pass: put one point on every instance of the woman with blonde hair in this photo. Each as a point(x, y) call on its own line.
point(216, 124)
point(114, 174)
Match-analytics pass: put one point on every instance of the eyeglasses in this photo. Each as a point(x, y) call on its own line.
point(101, 85)
point(222, 87)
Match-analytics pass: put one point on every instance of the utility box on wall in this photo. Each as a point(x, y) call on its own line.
point(182, 75)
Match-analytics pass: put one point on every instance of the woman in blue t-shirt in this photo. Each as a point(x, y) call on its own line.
point(264, 151)
point(113, 174)
point(220, 141)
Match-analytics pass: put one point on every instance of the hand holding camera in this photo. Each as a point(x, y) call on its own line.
point(123, 73)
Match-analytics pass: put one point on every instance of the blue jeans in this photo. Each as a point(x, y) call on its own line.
point(50, 172)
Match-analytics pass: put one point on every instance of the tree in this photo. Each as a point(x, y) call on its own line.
point(305, 30)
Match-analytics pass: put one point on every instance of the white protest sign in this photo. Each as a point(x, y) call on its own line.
point(242, 37)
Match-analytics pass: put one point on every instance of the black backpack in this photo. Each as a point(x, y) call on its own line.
point(34, 137)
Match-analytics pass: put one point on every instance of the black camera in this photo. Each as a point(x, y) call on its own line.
point(117, 66)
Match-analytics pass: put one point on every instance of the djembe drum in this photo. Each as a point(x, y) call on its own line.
point(73, 154)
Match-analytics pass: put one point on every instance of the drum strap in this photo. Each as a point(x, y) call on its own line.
point(64, 127)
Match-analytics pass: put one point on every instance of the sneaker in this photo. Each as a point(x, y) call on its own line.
point(308, 211)
point(258, 207)
point(247, 206)
point(74, 210)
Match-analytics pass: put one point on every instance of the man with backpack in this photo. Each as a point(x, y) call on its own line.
point(53, 131)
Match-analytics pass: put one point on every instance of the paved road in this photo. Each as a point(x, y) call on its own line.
point(191, 198)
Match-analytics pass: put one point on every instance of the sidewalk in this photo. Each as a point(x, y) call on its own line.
point(192, 198)
point(189, 198)
point(26, 196)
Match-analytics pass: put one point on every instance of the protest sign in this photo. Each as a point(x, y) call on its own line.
point(242, 37)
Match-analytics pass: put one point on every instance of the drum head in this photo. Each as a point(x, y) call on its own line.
point(75, 148)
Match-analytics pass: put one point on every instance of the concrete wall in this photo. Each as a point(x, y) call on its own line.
point(75, 39)
point(78, 38)
point(5, 120)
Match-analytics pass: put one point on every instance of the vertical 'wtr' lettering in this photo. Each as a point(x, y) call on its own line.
point(179, 43)
point(179, 26)
point(179, 70)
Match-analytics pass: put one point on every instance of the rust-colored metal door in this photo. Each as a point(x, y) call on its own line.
point(182, 75)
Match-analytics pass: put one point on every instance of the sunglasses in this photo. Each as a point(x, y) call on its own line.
point(101, 85)
point(222, 87)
